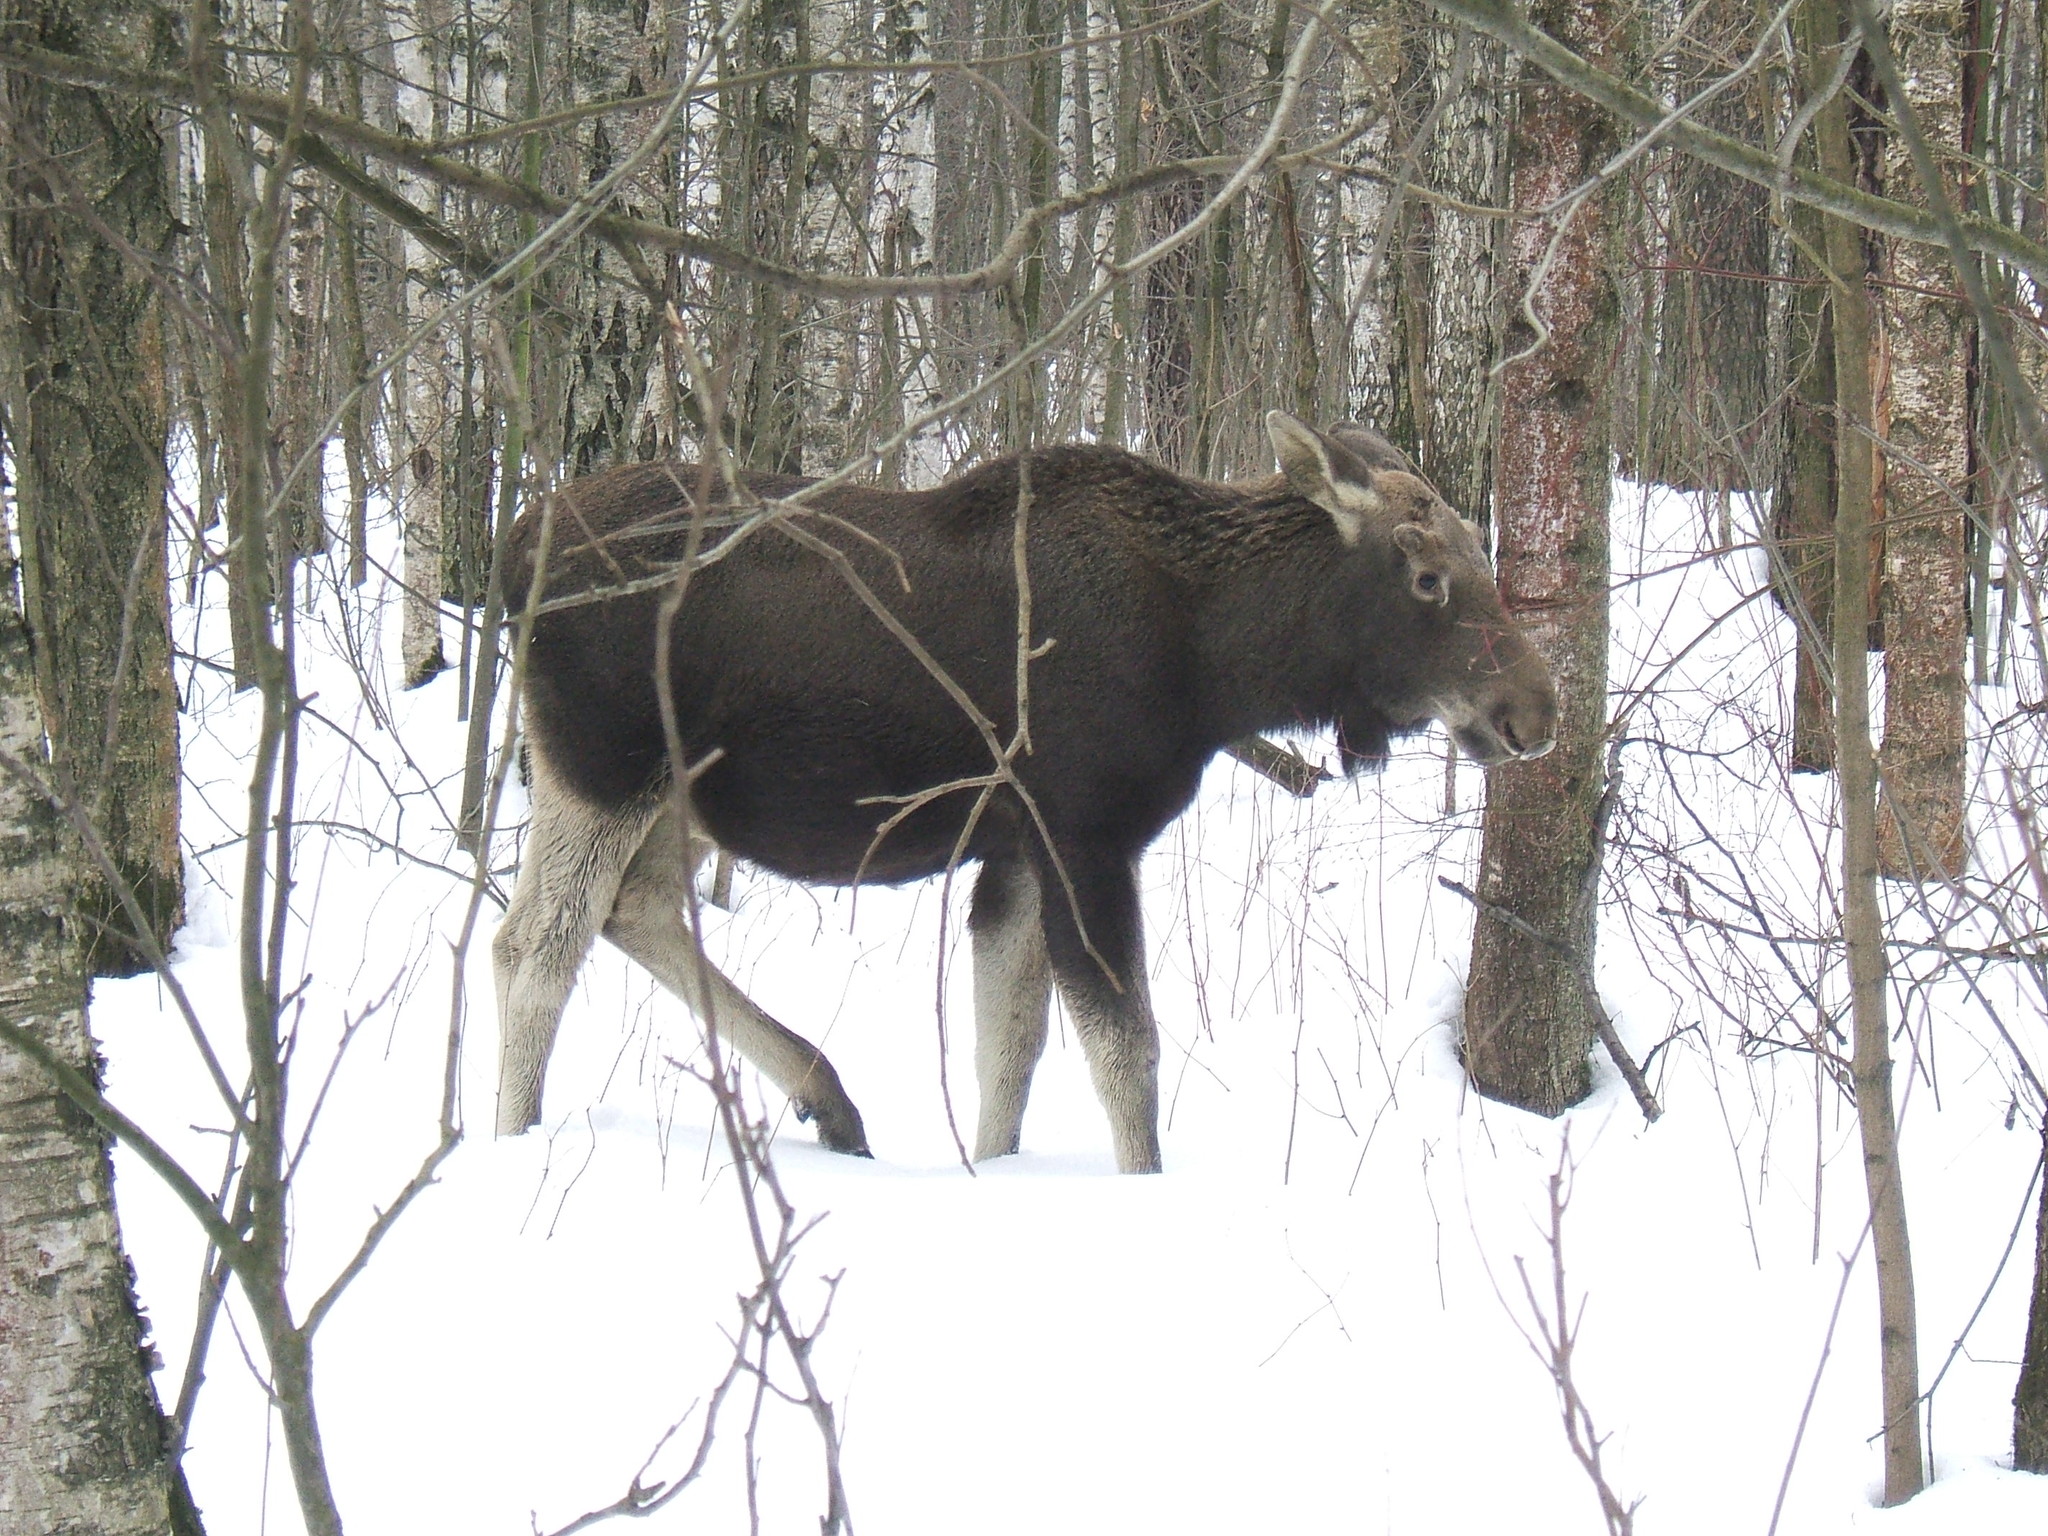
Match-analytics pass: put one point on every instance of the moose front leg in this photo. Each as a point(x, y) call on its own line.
point(1105, 990)
point(1012, 994)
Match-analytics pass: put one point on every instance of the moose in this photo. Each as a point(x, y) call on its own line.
point(1167, 618)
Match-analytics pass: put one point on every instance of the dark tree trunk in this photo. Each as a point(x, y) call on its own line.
point(89, 345)
point(2030, 1396)
point(1527, 1022)
point(1803, 516)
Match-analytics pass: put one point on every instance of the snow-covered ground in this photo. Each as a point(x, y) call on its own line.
point(1316, 1320)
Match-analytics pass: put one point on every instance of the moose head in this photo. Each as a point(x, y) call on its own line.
point(1452, 653)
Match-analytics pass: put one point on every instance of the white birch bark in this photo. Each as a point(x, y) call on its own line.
point(1927, 339)
point(1465, 162)
point(81, 1447)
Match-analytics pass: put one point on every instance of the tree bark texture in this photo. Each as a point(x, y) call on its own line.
point(1174, 376)
point(422, 485)
point(1528, 1026)
point(81, 1438)
point(1862, 919)
point(1926, 477)
point(607, 333)
point(2030, 1395)
point(1705, 420)
point(420, 388)
point(1385, 277)
point(1466, 162)
point(1803, 514)
point(766, 187)
point(90, 346)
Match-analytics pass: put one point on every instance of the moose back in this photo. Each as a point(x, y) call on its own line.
point(1167, 618)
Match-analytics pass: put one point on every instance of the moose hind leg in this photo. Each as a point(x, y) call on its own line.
point(1012, 992)
point(1107, 995)
point(575, 855)
point(647, 923)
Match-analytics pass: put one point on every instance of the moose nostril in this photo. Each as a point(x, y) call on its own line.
point(1504, 728)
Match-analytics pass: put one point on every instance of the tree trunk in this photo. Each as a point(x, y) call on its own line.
point(419, 392)
point(88, 341)
point(423, 482)
point(1803, 515)
point(2030, 1395)
point(81, 1436)
point(607, 357)
point(1927, 336)
point(767, 193)
point(1174, 376)
point(1702, 406)
point(1372, 350)
point(1464, 252)
point(1862, 921)
point(1528, 1025)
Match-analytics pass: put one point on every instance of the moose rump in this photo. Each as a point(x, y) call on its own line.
point(1167, 618)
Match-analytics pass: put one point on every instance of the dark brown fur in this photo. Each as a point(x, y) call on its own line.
point(1177, 616)
point(1182, 615)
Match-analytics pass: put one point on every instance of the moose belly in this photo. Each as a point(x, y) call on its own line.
point(826, 816)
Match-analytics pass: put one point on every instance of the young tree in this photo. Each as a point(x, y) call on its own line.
point(1803, 509)
point(1862, 918)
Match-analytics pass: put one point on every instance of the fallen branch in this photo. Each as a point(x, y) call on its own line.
point(1283, 765)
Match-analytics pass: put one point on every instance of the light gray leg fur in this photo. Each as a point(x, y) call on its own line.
point(575, 857)
point(1122, 1044)
point(647, 923)
point(1012, 995)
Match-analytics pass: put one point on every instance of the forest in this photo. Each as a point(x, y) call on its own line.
point(1644, 1135)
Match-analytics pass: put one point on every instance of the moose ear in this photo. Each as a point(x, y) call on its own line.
point(1324, 472)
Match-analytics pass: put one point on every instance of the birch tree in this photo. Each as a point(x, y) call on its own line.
point(82, 1439)
point(1928, 343)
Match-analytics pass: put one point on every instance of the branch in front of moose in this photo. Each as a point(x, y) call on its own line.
point(1603, 1022)
point(746, 1138)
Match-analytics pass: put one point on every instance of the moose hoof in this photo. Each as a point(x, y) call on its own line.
point(839, 1126)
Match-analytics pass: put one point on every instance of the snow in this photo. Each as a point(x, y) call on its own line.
point(1314, 1320)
